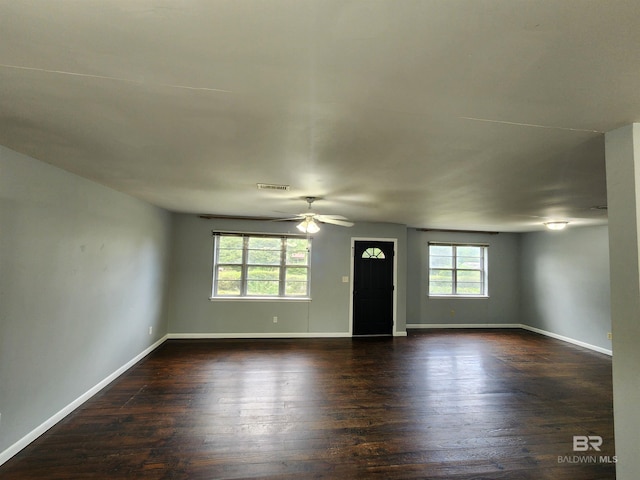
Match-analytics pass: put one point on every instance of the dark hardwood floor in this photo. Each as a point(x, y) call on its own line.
point(490, 404)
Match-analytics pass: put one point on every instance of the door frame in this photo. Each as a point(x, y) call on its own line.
point(395, 279)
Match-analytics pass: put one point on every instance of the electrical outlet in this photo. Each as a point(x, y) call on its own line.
point(275, 319)
point(610, 335)
point(345, 279)
point(150, 330)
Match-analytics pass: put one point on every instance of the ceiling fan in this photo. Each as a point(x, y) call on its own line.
point(309, 223)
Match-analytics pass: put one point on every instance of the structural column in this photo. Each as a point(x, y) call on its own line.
point(623, 192)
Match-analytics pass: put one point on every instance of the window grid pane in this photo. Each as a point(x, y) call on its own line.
point(436, 261)
point(296, 289)
point(296, 281)
point(297, 257)
point(228, 255)
point(261, 266)
point(263, 288)
point(457, 270)
point(263, 257)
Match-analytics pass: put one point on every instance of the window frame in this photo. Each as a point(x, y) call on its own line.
point(282, 265)
point(484, 270)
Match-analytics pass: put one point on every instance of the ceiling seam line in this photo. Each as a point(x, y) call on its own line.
point(531, 125)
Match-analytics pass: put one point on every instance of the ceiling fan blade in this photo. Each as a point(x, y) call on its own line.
point(335, 221)
point(214, 216)
point(335, 217)
point(288, 219)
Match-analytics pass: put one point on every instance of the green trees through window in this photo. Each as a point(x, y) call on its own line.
point(457, 270)
point(261, 266)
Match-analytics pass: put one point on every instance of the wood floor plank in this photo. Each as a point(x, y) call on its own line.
point(457, 405)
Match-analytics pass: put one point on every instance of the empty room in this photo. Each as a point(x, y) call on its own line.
point(319, 239)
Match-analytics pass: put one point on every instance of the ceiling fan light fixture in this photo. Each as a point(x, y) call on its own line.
point(556, 225)
point(302, 226)
point(312, 227)
point(308, 225)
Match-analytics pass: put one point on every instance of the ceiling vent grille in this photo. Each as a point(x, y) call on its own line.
point(273, 186)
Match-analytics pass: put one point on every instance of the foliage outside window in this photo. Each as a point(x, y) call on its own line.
point(457, 270)
point(259, 266)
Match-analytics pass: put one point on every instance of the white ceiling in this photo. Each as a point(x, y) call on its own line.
point(476, 115)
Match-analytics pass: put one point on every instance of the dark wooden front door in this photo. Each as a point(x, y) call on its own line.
point(373, 288)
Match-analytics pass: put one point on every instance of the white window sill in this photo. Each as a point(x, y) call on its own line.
point(260, 299)
point(458, 296)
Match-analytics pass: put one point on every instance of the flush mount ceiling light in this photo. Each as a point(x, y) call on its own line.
point(308, 225)
point(556, 225)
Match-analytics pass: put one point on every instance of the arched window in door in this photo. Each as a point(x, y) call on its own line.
point(373, 252)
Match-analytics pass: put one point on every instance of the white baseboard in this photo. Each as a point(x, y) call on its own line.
point(512, 325)
point(463, 325)
point(568, 340)
point(180, 336)
point(47, 424)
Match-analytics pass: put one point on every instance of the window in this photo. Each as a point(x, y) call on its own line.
point(373, 253)
point(259, 266)
point(457, 270)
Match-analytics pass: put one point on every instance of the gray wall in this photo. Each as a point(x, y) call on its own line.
point(502, 306)
point(623, 197)
point(191, 311)
point(82, 277)
point(84, 272)
point(565, 283)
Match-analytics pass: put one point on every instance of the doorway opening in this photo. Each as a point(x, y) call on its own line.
point(373, 292)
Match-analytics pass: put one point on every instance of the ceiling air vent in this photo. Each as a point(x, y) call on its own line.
point(273, 186)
